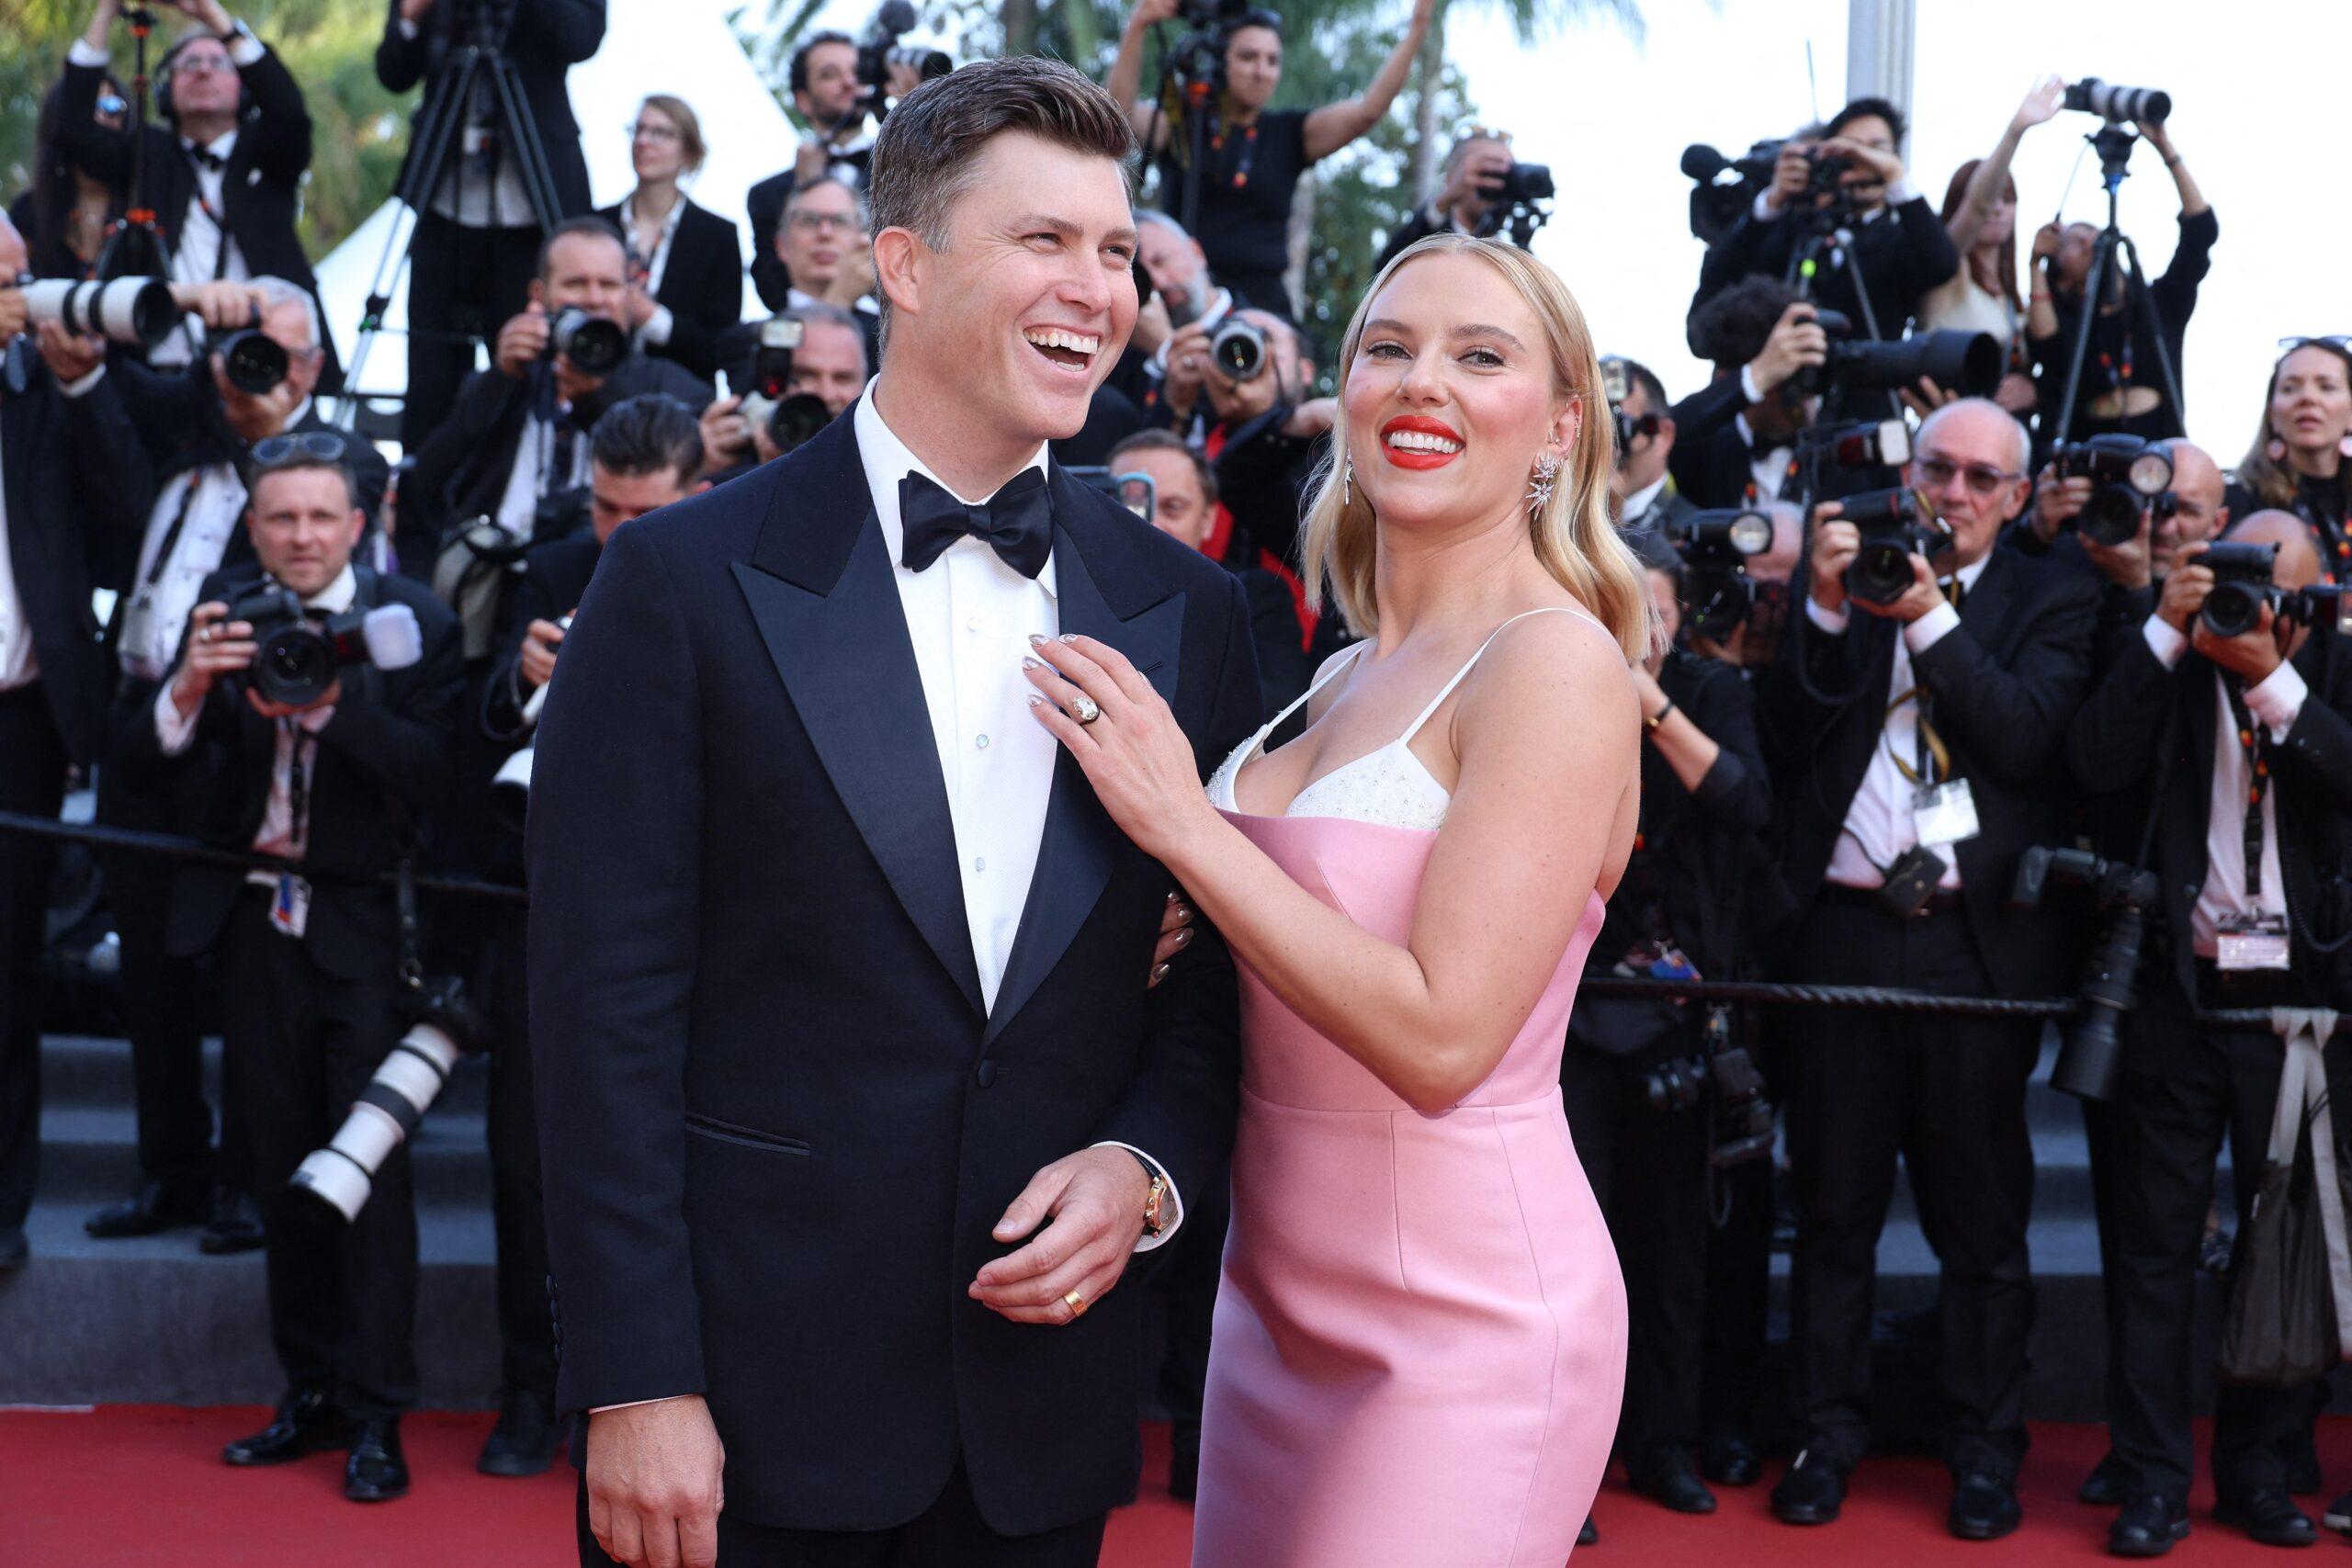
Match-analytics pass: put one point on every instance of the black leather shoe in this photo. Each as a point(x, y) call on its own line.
point(14, 1250)
point(2147, 1527)
point(1811, 1493)
point(2267, 1516)
point(307, 1421)
point(1665, 1476)
point(1588, 1536)
point(2107, 1485)
point(2338, 1517)
point(154, 1208)
point(235, 1225)
point(376, 1472)
point(524, 1441)
point(1730, 1461)
point(1984, 1506)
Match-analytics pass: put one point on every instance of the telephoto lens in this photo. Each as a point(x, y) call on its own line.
point(1892, 532)
point(1239, 348)
point(136, 311)
point(255, 362)
point(443, 1024)
point(594, 345)
point(2141, 105)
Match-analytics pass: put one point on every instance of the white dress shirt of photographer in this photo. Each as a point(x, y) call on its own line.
point(1961, 446)
point(196, 510)
point(586, 270)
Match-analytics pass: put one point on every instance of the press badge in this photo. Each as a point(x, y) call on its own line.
point(2246, 942)
point(1944, 813)
point(289, 911)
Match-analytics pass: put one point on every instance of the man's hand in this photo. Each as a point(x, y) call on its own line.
point(1926, 397)
point(268, 709)
point(222, 307)
point(856, 278)
point(253, 415)
point(2251, 656)
point(1188, 367)
point(1152, 326)
point(1835, 543)
point(1474, 180)
point(2017, 393)
point(216, 646)
point(809, 163)
point(898, 79)
point(2186, 587)
point(537, 661)
point(14, 314)
point(572, 383)
point(102, 18)
point(521, 342)
point(2159, 137)
point(1147, 11)
point(1792, 172)
point(1095, 1200)
point(1312, 418)
point(639, 308)
point(2127, 565)
point(1175, 936)
point(656, 1483)
point(1797, 341)
point(725, 433)
point(1922, 597)
point(70, 355)
point(206, 12)
point(2057, 503)
point(1872, 165)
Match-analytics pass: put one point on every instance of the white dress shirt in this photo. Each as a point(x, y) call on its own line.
point(1879, 822)
point(2274, 702)
point(1768, 466)
point(279, 833)
point(1638, 506)
point(658, 325)
point(18, 667)
point(518, 505)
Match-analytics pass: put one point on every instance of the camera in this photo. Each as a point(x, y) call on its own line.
point(1239, 349)
point(297, 661)
point(1617, 383)
point(594, 345)
point(1861, 444)
point(1132, 489)
point(1892, 530)
point(2141, 105)
point(880, 49)
point(128, 310)
point(1966, 363)
point(254, 361)
point(2126, 474)
point(510, 787)
point(1717, 592)
point(442, 1024)
point(1516, 202)
point(2089, 1057)
point(790, 417)
point(2242, 586)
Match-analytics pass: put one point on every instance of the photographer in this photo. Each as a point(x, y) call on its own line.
point(515, 441)
point(63, 215)
point(824, 240)
point(1916, 714)
point(1642, 498)
point(1477, 166)
point(830, 365)
point(2296, 463)
point(1980, 213)
point(185, 440)
point(1253, 155)
point(686, 262)
point(471, 258)
point(2237, 753)
point(1736, 438)
point(2123, 387)
point(1183, 291)
point(1888, 233)
point(834, 109)
point(224, 171)
point(1704, 801)
point(311, 959)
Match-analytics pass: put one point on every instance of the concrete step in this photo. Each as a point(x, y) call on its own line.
point(90, 1155)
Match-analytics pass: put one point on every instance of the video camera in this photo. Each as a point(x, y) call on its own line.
point(1717, 592)
point(297, 661)
point(1518, 201)
point(790, 417)
point(1617, 382)
point(1967, 363)
point(2126, 473)
point(1716, 204)
point(2089, 1058)
point(137, 311)
point(1197, 58)
point(879, 50)
point(443, 1024)
point(1894, 527)
point(2141, 105)
point(595, 346)
point(2242, 586)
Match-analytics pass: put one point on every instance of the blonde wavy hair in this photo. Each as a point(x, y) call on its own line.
point(1572, 534)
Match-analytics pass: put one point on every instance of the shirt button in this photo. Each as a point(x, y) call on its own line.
point(975, 623)
point(981, 742)
point(980, 863)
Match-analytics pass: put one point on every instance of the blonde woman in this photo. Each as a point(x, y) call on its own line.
point(1421, 1332)
point(685, 261)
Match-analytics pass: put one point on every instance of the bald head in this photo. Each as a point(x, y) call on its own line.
point(2298, 562)
point(2197, 515)
point(2194, 475)
point(1982, 424)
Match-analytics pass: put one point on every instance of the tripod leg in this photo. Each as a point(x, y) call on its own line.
point(523, 135)
point(2102, 257)
point(1862, 293)
point(2140, 298)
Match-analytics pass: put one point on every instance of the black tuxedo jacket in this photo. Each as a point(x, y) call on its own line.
point(385, 759)
point(2004, 685)
point(2146, 722)
point(764, 207)
point(68, 501)
point(555, 576)
point(702, 285)
point(1901, 254)
point(261, 188)
point(548, 38)
point(776, 1124)
point(462, 468)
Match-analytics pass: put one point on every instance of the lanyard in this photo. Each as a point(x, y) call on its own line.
point(171, 542)
point(301, 751)
point(1934, 756)
point(2254, 740)
point(1248, 153)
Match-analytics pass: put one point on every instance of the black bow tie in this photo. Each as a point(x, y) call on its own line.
point(1017, 522)
point(206, 158)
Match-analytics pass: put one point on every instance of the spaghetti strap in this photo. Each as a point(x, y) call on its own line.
point(1343, 659)
point(1447, 690)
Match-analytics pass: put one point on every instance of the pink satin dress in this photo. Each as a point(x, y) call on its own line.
point(1419, 1337)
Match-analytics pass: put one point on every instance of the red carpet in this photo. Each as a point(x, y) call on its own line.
point(131, 1486)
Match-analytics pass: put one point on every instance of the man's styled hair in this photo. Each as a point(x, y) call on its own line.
point(793, 197)
point(602, 228)
point(646, 435)
point(1730, 328)
point(279, 292)
point(300, 461)
point(1167, 441)
point(1861, 108)
point(821, 313)
point(796, 73)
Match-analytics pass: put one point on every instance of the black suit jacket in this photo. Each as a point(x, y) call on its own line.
point(1901, 254)
point(702, 283)
point(385, 759)
point(2146, 723)
point(548, 38)
point(776, 1124)
point(763, 206)
point(2004, 685)
point(555, 576)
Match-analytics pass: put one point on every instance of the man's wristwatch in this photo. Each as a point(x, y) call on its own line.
point(1154, 1202)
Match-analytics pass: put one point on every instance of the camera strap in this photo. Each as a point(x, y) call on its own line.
point(1933, 757)
point(405, 893)
point(2254, 741)
point(302, 755)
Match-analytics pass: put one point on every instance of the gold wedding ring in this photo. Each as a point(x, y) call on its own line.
point(1077, 1304)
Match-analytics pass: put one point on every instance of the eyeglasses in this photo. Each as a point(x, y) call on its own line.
point(1984, 479)
point(299, 447)
point(812, 221)
point(2340, 342)
point(203, 65)
point(651, 129)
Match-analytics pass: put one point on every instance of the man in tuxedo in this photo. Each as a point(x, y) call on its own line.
point(822, 236)
point(516, 442)
point(223, 174)
point(836, 962)
point(312, 957)
point(184, 442)
point(58, 496)
point(1915, 746)
point(1736, 438)
point(1642, 496)
point(835, 143)
point(1475, 166)
point(478, 237)
point(2241, 746)
point(831, 365)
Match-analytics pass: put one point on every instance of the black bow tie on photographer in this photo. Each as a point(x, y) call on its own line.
point(1017, 522)
point(205, 157)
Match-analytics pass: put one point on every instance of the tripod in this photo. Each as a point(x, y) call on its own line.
point(2113, 143)
point(476, 68)
point(1826, 238)
point(133, 245)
